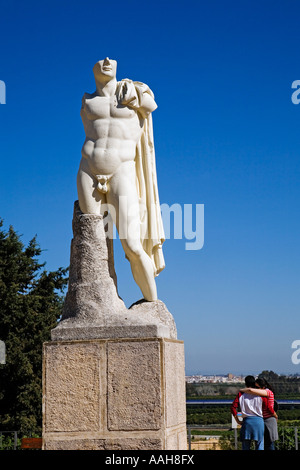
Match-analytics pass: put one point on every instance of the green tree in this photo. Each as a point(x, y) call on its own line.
point(31, 300)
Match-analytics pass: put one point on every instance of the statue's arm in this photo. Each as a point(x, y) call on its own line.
point(255, 391)
point(148, 104)
point(82, 110)
point(85, 123)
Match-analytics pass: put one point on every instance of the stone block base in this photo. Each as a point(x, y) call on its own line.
point(114, 394)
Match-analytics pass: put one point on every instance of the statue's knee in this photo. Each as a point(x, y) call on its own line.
point(133, 249)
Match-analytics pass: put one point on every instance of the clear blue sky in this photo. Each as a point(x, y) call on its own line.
point(226, 136)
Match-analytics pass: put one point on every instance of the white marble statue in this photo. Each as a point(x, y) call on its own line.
point(118, 169)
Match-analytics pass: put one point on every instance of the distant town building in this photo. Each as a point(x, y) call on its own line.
point(228, 378)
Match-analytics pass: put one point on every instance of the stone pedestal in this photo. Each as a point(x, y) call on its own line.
point(113, 378)
point(114, 395)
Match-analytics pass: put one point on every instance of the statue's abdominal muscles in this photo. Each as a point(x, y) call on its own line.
point(110, 140)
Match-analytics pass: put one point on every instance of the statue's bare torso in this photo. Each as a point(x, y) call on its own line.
point(112, 132)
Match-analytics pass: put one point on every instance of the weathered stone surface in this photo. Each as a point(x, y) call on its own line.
point(133, 443)
point(72, 387)
point(175, 383)
point(157, 311)
point(177, 439)
point(134, 385)
point(116, 329)
point(92, 292)
point(114, 395)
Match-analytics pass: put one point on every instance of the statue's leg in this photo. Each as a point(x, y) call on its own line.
point(123, 196)
point(89, 198)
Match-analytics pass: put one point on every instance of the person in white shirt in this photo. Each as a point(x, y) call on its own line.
point(252, 414)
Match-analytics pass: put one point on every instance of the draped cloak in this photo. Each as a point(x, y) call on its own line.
point(151, 225)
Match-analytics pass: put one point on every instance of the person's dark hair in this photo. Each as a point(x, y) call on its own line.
point(262, 383)
point(250, 381)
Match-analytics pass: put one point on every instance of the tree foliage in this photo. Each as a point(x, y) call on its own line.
point(283, 386)
point(31, 300)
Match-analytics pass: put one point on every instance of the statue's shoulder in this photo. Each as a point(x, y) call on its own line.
point(86, 96)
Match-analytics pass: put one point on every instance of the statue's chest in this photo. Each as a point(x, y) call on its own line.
point(105, 108)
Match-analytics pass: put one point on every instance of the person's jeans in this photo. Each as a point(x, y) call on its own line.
point(246, 444)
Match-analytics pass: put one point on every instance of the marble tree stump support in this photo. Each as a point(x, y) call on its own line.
point(113, 377)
